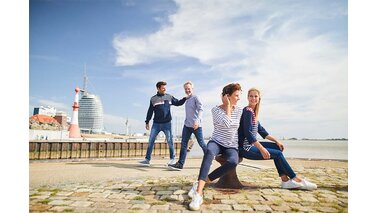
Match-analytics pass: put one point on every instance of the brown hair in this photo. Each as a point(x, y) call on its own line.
point(230, 88)
point(257, 108)
point(160, 83)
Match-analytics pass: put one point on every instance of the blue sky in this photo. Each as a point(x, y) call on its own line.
point(295, 52)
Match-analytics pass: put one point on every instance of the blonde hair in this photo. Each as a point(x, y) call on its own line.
point(257, 108)
point(189, 82)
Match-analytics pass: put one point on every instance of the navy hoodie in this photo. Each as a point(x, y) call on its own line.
point(161, 106)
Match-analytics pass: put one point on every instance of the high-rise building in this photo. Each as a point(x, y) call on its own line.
point(91, 114)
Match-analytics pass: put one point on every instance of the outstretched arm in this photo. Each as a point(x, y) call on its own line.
point(176, 102)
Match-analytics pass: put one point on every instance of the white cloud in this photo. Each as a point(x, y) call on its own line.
point(275, 46)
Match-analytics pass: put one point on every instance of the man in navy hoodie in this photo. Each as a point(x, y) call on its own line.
point(160, 105)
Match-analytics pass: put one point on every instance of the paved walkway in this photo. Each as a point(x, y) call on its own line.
point(123, 186)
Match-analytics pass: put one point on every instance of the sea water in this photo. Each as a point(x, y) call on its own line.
point(308, 149)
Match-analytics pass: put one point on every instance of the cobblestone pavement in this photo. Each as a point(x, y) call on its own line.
point(169, 194)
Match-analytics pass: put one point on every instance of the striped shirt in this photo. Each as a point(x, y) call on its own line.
point(226, 128)
point(248, 129)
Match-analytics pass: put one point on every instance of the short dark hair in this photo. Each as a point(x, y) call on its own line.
point(160, 83)
point(230, 88)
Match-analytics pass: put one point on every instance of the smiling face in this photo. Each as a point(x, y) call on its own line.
point(253, 98)
point(188, 89)
point(162, 89)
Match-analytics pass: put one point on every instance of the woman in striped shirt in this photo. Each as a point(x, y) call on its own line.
point(252, 149)
point(226, 119)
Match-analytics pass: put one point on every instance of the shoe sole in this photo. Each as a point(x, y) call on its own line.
point(174, 169)
point(144, 165)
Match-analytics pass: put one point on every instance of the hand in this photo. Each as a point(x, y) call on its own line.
point(265, 153)
point(280, 145)
point(226, 100)
point(195, 126)
point(148, 126)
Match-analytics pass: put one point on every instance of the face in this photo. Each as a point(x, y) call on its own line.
point(188, 89)
point(253, 98)
point(162, 89)
point(234, 98)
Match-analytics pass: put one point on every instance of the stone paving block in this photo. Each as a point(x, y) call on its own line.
point(122, 206)
point(262, 208)
point(62, 209)
point(81, 203)
point(144, 188)
point(327, 209)
point(103, 204)
point(147, 192)
point(116, 196)
point(241, 207)
point(229, 201)
point(98, 195)
point(60, 202)
point(160, 207)
point(220, 207)
point(164, 192)
point(84, 210)
point(272, 198)
point(255, 197)
point(39, 207)
point(64, 193)
point(137, 202)
point(80, 194)
point(221, 197)
point(105, 210)
point(282, 208)
point(174, 207)
point(140, 206)
point(180, 192)
point(310, 199)
point(291, 199)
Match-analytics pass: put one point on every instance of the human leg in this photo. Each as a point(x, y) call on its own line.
point(199, 136)
point(151, 141)
point(196, 192)
point(232, 160)
point(167, 129)
point(186, 132)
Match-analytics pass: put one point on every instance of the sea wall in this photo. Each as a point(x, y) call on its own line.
point(41, 150)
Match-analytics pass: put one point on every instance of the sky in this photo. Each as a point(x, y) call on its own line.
point(295, 52)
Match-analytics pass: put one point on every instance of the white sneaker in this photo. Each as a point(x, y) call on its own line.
point(196, 202)
point(291, 184)
point(307, 185)
point(193, 189)
point(171, 161)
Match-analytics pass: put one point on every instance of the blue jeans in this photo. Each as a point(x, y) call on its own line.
point(214, 149)
point(155, 129)
point(282, 166)
point(186, 133)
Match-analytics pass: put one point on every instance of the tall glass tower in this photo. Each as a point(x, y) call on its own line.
point(91, 114)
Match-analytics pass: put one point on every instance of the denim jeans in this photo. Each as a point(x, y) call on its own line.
point(186, 133)
point(155, 129)
point(214, 149)
point(282, 166)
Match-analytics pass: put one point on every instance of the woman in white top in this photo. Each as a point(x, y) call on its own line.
point(226, 119)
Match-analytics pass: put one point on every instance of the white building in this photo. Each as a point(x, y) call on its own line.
point(45, 110)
